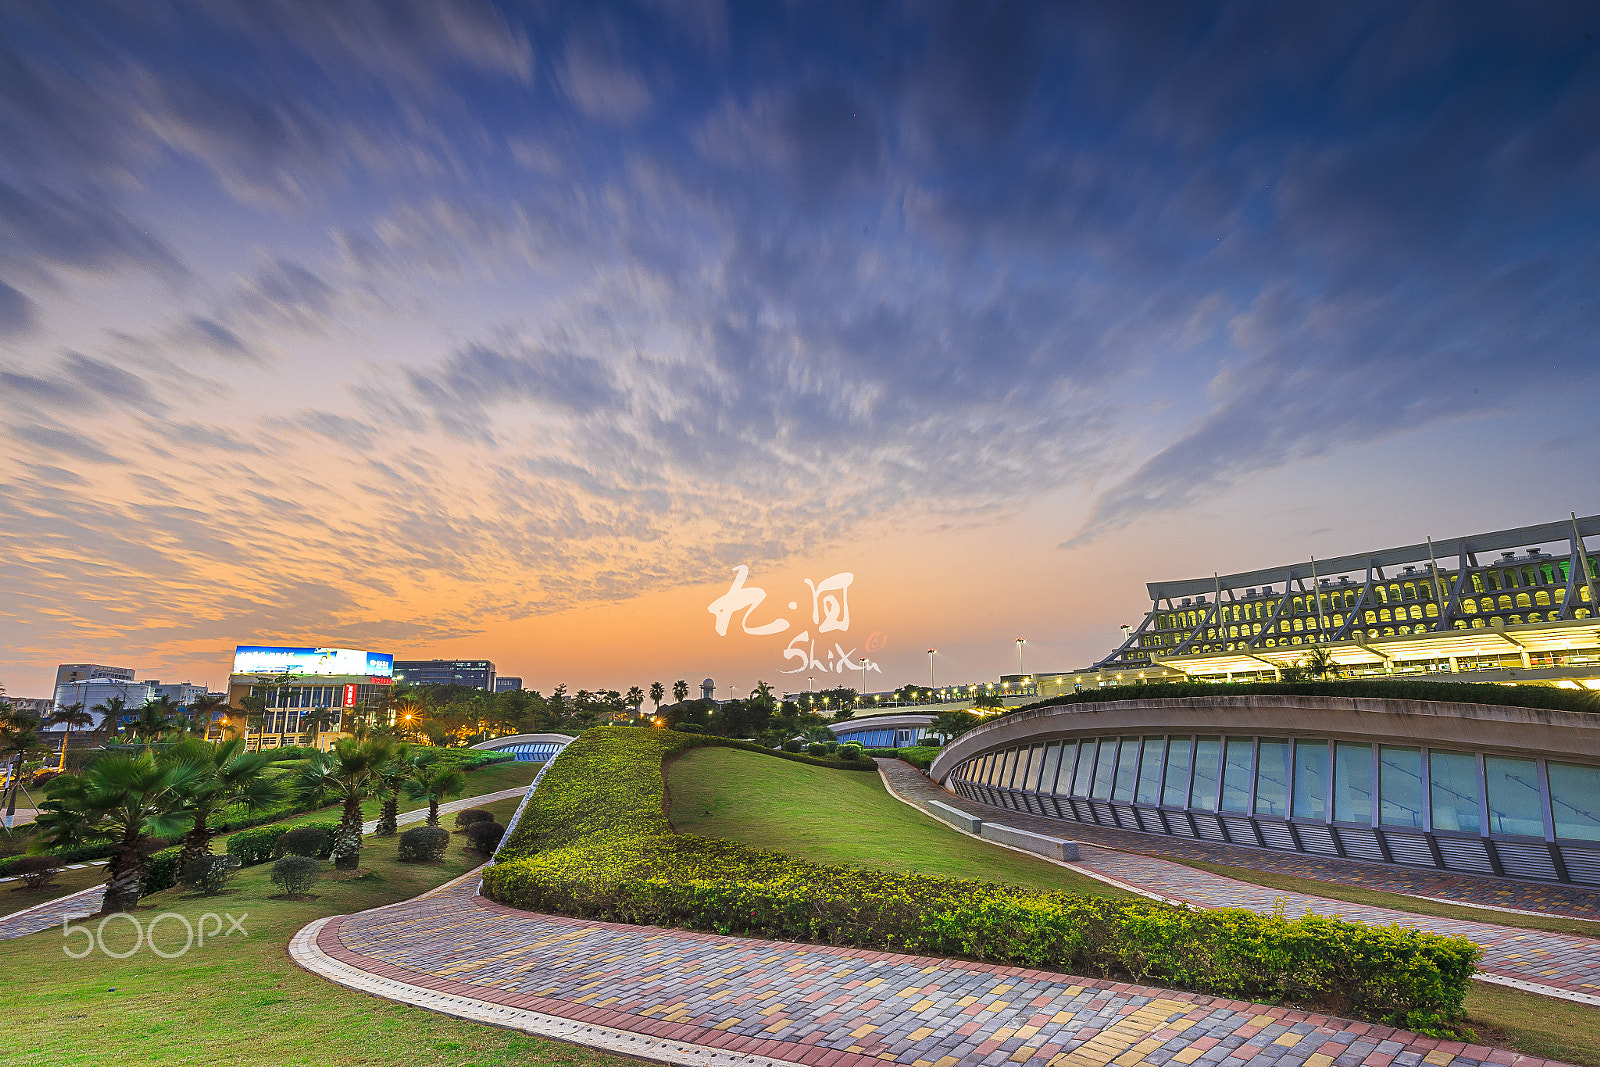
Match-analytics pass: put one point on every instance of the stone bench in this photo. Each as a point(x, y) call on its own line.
point(1055, 848)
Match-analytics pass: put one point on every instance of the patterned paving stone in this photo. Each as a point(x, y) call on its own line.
point(817, 1005)
point(1561, 963)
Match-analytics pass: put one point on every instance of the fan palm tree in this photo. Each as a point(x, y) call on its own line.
point(635, 699)
point(111, 710)
point(680, 690)
point(1319, 663)
point(205, 710)
point(18, 737)
point(155, 719)
point(434, 782)
point(658, 693)
point(348, 772)
point(128, 801)
point(391, 779)
point(226, 775)
point(70, 715)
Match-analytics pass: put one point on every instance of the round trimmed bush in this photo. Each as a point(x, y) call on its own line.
point(466, 818)
point(207, 874)
point(485, 836)
point(424, 844)
point(831, 746)
point(303, 841)
point(817, 748)
point(36, 872)
point(794, 744)
point(851, 752)
point(296, 873)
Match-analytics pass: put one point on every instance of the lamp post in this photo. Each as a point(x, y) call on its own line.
point(931, 653)
point(864, 665)
point(1020, 642)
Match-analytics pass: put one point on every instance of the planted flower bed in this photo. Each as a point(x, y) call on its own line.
point(594, 841)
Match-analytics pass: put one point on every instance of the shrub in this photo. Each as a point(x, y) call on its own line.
point(817, 748)
point(794, 744)
point(424, 844)
point(296, 873)
point(207, 874)
point(921, 757)
point(831, 746)
point(594, 842)
point(251, 847)
point(304, 841)
point(160, 872)
point(36, 872)
point(485, 836)
point(850, 753)
point(466, 818)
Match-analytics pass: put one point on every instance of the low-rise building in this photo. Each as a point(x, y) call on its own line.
point(507, 683)
point(283, 695)
point(477, 673)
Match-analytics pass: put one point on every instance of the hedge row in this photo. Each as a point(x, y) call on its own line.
point(593, 841)
point(1516, 696)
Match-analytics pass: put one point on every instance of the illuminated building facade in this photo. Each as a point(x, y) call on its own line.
point(1512, 605)
point(307, 695)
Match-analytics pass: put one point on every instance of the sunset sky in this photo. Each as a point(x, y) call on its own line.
point(510, 331)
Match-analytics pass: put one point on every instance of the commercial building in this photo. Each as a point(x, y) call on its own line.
point(38, 707)
point(96, 692)
point(507, 683)
point(181, 694)
point(77, 672)
point(1514, 605)
point(305, 693)
point(883, 731)
point(477, 673)
point(1471, 788)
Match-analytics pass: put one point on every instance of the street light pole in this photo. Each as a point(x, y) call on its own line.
point(1020, 642)
point(931, 653)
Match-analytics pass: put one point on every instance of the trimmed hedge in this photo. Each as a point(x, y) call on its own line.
point(423, 844)
point(303, 841)
point(593, 841)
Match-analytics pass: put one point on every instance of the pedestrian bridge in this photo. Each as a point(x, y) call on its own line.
point(529, 748)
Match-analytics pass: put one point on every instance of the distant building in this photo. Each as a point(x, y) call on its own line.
point(477, 673)
point(97, 691)
point(38, 707)
point(180, 693)
point(708, 690)
point(77, 672)
point(507, 683)
point(306, 691)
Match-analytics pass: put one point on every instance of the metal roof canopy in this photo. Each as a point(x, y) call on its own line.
point(1544, 533)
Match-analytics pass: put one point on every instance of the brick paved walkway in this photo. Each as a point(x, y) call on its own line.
point(694, 998)
point(1562, 965)
point(1574, 901)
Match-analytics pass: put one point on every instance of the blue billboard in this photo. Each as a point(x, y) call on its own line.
point(347, 662)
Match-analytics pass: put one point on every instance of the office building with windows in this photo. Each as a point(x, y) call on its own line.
point(98, 692)
point(77, 672)
point(1514, 605)
point(507, 683)
point(477, 673)
point(304, 695)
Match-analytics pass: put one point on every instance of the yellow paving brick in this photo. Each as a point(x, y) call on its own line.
point(1438, 1057)
point(921, 1005)
point(778, 1027)
point(909, 991)
point(1027, 1032)
point(863, 1030)
point(1288, 1040)
point(947, 1061)
point(1261, 1020)
point(1024, 1054)
point(1317, 1059)
point(999, 1005)
point(997, 990)
point(1063, 1017)
point(965, 1001)
point(920, 1033)
point(726, 1023)
point(1190, 1054)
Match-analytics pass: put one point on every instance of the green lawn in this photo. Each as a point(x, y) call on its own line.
point(846, 817)
point(240, 1000)
point(1534, 1025)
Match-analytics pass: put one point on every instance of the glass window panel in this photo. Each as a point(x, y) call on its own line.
point(996, 762)
point(1311, 780)
point(1513, 786)
point(1207, 754)
point(1127, 769)
point(1575, 799)
point(1352, 782)
point(1104, 769)
point(1026, 763)
point(1080, 784)
point(1069, 756)
point(1176, 791)
point(1150, 771)
point(1007, 768)
point(1236, 774)
point(985, 765)
point(1046, 782)
point(1272, 778)
point(1399, 786)
point(1453, 778)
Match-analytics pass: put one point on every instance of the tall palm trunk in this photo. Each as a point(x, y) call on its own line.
point(122, 875)
point(347, 839)
point(197, 842)
point(433, 811)
point(389, 817)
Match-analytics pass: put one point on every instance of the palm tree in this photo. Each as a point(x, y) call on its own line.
point(434, 782)
point(205, 708)
point(18, 738)
point(680, 690)
point(391, 779)
point(155, 719)
point(1319, 663)
point(111, 708)
point(635, 699)
point(128, 801)
point(348, 772)
point(226, 775)
point(71, 715)
point(658, 693)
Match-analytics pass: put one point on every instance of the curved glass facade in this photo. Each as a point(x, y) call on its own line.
point(1424, 807)
point(534, 751)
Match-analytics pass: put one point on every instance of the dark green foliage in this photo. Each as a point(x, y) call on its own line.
point(920, 757)
point(160, 872)
point(1516, 696)
point(207, 874)
point(594, 842)
point(36, 872)
point(251, 847)
point(817, 748)
point(466, 818)
point(296, 874)
point(851, 753)
point(794, 744)
point(424, 844)
point(304, 841)
point(485, 836)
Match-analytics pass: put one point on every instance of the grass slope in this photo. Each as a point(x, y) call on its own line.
point(241, 1001)
point(827, 817)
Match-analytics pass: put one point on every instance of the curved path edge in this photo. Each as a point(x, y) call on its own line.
point(1577, 960)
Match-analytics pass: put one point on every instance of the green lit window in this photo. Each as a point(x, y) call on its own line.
point(1272, 778)
point(1399, 786)
point(1149, 791)
point(1310, 779)
point(1105, 769)
point(1352, 782)
point(1453, 778)
point(1236, 774)
point(1513, 786)
point(1085, 775)
point(1069, 756)
point(1127, 769)
point(1207, 754)
point(1174, 793)
point(1575, 800)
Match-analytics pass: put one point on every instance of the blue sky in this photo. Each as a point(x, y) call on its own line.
point(450, 328)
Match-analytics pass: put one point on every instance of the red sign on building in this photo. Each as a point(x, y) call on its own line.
point(350, 696)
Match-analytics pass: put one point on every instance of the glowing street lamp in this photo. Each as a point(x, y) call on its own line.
point(1020, 642)
point(932, 652)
